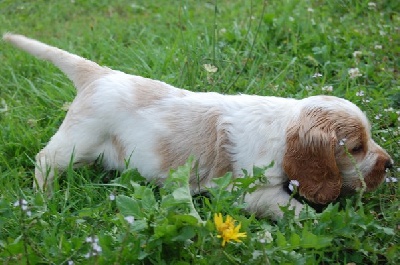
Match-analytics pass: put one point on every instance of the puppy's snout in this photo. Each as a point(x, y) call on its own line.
point(389, 164)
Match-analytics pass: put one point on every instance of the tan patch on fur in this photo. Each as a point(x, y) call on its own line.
point(148, 91)
point(310, 156)
point(355, 135)
point(87, 72)
point(378, 172)
point(119, 148)
point(328, 98)
point(198, 133)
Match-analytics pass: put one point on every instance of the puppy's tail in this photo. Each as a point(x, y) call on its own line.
point(81, 71)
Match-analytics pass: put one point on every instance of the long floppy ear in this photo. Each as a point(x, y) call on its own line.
point(310, 157)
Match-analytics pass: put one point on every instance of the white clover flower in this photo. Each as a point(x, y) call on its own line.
point(130, 219)
point(210, 68)
point(327, 88)
point(5, 107)
point(24, 206)
point(92, 239)
point(360, 93)
point(378, 116)
point(311, 10)
point(291, 19)
point(292, 184)
point(313, 22)
point(266, 238)
point(256, 254)
point(96, 248)
point(21, 203)
point(357, 54)
point(316, 75)
point(371, 5)
point(32, 122)
point(391, 179)
point(378, 47)
point(111, 197)
point(354, 72)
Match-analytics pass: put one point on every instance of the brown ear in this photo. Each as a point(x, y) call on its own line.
point(310, 157)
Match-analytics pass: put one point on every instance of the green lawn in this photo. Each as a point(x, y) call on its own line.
point(277, 47)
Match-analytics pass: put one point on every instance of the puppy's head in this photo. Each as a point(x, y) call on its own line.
point(329, 150)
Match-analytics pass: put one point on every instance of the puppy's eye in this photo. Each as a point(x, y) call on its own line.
point(357, 148)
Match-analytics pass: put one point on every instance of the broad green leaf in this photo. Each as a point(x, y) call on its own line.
point(146, 197)
point(129, 206)
point(186, 219)
point(182, 194)
point(138, 225)
point(223, 181)
point(309, 240)
point(177, 184)
point(165, 230)
point(295, 240)
point(386, 230)
point(280, 239)
point(86, 212)
point(185, 233)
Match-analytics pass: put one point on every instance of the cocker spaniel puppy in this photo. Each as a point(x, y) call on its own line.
point(322, 142)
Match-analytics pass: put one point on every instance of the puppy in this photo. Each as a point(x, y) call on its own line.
point(322, 142)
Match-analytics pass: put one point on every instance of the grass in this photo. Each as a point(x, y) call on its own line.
point(283, 48)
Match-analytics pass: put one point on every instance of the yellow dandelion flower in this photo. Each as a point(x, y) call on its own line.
point(221, 225)
point(227, 230)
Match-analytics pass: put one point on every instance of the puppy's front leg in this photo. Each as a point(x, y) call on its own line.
point(266, 201)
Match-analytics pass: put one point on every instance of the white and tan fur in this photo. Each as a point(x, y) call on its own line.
point(154, 127)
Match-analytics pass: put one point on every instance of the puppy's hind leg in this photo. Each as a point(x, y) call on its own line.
point(56, 156)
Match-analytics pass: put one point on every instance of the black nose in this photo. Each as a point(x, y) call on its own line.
point(388, 164)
